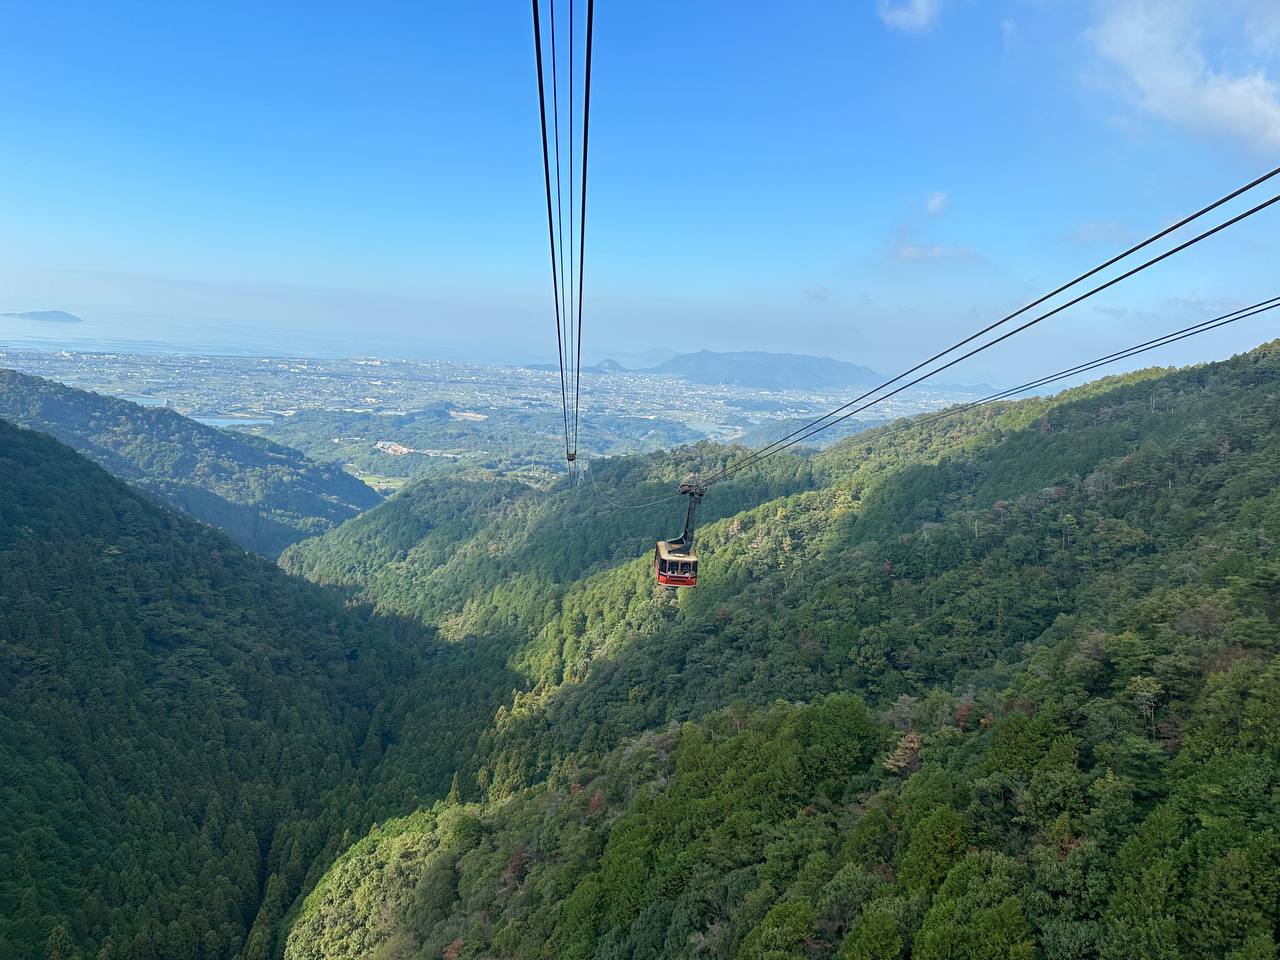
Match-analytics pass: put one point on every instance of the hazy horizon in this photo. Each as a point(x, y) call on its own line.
point(213, 339)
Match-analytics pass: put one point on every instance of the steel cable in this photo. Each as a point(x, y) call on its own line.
point(768, 449)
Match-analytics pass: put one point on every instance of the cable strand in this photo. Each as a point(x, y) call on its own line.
point(767, 449)
point(572, 152)
point(1194, 330)
point(582, 219)
point(555, 114)
point(813, 428)
point(551, 233)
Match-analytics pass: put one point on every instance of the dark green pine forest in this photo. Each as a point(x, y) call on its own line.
point(1002, 685)
point(189, 736)
point(263, 494)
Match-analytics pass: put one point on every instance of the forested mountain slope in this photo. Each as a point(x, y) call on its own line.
point(265, 495)
point(1063, 616)
point(188, 733)
point(486, 556)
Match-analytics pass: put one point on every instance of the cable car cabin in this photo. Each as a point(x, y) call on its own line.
point(674, 562)
point(673, 568)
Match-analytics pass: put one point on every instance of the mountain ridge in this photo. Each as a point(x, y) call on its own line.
point(764, 370)
point(758, 369)
point(140, 648)
point(262, 493)
point(188, 732)
point(747, 368)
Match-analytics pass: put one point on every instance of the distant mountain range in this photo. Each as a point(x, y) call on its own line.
point(45, 316)
point(773, 371)
point(762, 370)
point(748, 368)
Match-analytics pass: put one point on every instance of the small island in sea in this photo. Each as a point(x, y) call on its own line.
point(46, 316)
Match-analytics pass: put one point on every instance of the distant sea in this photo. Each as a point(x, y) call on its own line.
point(140, 335)
point(132, 334)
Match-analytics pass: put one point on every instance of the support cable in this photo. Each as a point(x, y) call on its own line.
point(1204, 326)
point(778, 444)
point(816, 426)
point(582, 218)
point(1244, 313)
point(569, 332)
point(555, 116)
point(551, 233)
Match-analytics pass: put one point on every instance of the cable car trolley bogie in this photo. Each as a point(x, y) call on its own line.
point(675, 563)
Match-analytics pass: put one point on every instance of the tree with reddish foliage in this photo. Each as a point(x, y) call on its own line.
point(517, 863)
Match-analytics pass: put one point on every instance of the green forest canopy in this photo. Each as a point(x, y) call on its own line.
point(188, 733)
point(265, 495)
point(1000, 685)
point(1064, 617)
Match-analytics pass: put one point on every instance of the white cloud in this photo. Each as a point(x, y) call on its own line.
point(1008, 35)
point(907, 246)
point(1262, 23)
point(913, 252)
point(937, 203)
point(908, 14)
point(1155, 45)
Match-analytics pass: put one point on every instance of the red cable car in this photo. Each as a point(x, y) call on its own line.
point(675, 569)
point(674, 562)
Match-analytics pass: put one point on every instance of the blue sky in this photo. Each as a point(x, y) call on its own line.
point(857, 179)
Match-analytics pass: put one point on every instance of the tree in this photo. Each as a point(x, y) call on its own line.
point(936, 843)
point(877, 935)
point(977, 914)
point(782, 934)
point(1141, 920)
point(60, 945)
point(1146, 692)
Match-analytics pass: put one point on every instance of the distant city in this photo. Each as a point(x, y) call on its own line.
point(248, 391)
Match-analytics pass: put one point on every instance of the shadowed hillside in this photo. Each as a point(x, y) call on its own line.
point(188, 733)
point(264, 495)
